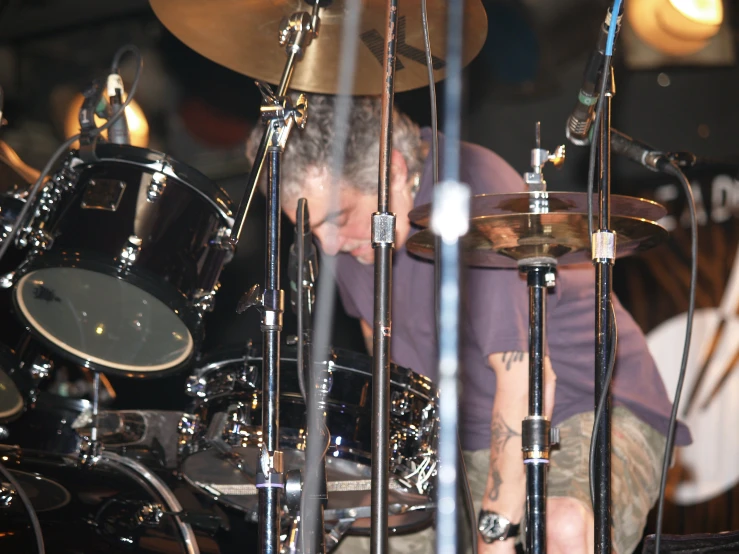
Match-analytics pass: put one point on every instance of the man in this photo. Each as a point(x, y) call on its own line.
point(494, 356)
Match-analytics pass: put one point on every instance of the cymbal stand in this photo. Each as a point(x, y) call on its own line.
point(280, 115)
point(537, 436)
point(604, 255)
point(383, 240)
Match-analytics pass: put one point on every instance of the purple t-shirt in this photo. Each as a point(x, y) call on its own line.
point(495, 319)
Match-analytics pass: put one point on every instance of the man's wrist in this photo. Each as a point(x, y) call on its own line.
point(494, 527)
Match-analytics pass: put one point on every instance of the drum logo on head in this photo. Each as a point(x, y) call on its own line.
point(41, 292)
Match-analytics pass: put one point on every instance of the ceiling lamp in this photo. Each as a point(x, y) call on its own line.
point(675, 27)
point(138, 127)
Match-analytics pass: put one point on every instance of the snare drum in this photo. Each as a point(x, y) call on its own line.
point(127, 252)
point(227, 417)
point(116, 505)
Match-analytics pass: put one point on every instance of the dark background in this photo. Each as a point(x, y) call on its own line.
point(200, 113)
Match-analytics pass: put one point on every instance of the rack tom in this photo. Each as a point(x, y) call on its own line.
point(126, 254)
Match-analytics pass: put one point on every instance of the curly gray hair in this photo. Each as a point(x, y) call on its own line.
point(312, 146)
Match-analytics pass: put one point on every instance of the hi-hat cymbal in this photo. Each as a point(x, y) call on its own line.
point(242, 35)
point(484, 205)
point(503, 240)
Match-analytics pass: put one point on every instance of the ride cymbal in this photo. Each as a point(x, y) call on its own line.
point(242, 35)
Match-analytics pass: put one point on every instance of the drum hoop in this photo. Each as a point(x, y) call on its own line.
point(429, 394)
point(155, 161)
point(92, 361)
point(142, 472)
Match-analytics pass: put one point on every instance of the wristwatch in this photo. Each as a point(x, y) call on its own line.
point(494, 527)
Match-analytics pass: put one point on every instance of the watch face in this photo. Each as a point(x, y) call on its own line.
point(492, 526)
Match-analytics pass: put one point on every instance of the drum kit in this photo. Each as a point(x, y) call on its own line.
point(117, 263)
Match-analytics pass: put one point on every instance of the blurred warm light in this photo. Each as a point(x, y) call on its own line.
point(675, 27)
point(138, 127)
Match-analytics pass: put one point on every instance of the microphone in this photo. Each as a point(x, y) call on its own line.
point(581, 119)
point(310, 259)
point(638, 152)
point(118, 132)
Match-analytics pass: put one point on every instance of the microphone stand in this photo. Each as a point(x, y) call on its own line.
point(383, 239)
point(314, 495)
point(604, 255)
point(280, 115)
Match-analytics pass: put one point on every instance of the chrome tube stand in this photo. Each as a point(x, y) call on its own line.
point(535, 435)
point(280, 115)
point(383, 240)
point(604, 255)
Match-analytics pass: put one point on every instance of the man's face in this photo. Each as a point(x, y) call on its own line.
point(345, 226)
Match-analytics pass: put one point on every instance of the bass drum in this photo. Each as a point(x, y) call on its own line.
point(223, 436)
point(116, 505)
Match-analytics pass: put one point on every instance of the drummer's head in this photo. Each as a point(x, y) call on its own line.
point(306, 167)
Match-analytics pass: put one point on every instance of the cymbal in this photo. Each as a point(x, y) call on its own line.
point(242, 35)
point(484, 205)
point(502, 240)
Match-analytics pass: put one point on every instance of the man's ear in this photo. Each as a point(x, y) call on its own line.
point(398, 170)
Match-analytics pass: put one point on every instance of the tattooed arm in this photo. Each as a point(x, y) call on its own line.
point(505, 492)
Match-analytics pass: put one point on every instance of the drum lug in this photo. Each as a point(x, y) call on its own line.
point(157, 185)
point(41, 368)
point(399, 404)
point(204, 301)
point(34, 233)
point(149, 514)
point(129, 254)
point(187, 429)
point(7, 496)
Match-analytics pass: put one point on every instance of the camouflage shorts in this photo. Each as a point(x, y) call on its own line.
point(637, 451)
point(636, 460)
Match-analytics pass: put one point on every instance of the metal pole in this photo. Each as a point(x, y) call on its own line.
point(535, 436)
point(604, 244)
point(450, 221)
point(383, 239)
point(269, 474)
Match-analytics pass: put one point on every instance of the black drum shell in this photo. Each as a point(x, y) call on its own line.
point(80, 525)
point(179, 231)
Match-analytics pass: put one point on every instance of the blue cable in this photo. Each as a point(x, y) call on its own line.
point(612, 27)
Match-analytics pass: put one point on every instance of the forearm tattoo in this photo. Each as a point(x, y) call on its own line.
point(510, 358)
point(500, 434)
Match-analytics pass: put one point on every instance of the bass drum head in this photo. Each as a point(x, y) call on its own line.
point(102, 321)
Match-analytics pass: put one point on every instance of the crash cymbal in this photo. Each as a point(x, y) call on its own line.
point(502, 240)
point(242, 35)
point(560, 202)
